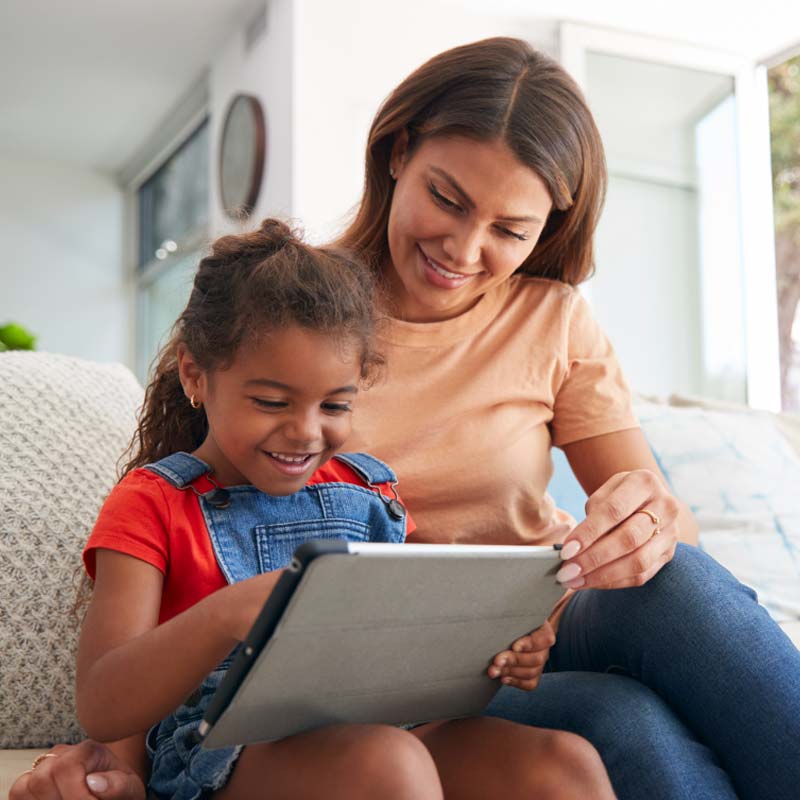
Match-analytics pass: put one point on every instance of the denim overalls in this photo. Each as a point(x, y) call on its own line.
point(252, 532)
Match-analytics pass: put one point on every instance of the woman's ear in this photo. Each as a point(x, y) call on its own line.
point(192, 377)
point(397, 159)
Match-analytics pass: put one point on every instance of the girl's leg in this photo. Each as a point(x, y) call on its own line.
point(345, 762)
point(483, 758)
point(647, 750)
point(698, 638)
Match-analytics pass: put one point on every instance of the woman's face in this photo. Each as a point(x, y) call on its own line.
point(464, 216)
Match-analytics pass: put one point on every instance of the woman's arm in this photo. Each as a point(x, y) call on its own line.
point(618, 545)
point(84, 771)
point(132, 672)
point(596, 460)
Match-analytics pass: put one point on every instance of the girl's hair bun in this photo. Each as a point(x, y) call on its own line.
point(276, 234)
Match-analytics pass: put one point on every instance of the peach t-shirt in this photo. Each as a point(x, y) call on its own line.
point(468, 408)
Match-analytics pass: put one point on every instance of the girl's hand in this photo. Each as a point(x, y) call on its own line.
point(522, 665)
point(629, 533)
point(245, 600)
point(79, 772)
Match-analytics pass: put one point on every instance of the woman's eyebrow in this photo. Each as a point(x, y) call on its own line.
point(469, 202)
point(270, 384)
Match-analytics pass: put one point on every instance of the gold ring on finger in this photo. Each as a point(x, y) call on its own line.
point(41, 757)
point(654, 518)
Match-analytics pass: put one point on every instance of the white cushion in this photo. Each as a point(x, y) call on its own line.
point(741, 478)
point(64, 423)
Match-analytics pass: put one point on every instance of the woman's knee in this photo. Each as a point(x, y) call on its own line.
point(694, 582)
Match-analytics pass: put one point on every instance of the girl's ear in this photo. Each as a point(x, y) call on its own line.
point(191, 376)
point(397, 159)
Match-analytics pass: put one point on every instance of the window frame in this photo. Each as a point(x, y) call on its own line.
point(188, 116)
point(760, 318)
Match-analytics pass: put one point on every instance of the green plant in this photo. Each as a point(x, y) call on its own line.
point(14, 337)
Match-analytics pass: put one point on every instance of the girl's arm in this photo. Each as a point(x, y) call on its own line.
point(132, 672)
point(619, 545)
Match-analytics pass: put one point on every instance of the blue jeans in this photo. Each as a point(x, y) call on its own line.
point(685, 686)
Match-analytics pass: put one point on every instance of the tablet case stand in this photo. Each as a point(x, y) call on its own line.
point(380, 633)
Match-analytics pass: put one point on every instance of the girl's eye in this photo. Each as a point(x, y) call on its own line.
point(271, 404)
point(441, 199)
point(337, 408)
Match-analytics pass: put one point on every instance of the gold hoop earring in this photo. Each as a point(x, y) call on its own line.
point(194, 403)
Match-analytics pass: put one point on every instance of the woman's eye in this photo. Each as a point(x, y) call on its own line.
point(522, 237)
point(441, 199)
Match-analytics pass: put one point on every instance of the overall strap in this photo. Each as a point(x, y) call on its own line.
point(371, 469)
point(179, 469)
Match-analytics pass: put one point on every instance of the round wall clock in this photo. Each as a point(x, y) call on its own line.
point(242, 153)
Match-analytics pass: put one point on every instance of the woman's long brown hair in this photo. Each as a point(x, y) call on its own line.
point(498, 88)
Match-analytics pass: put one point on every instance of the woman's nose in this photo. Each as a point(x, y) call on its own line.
point(464, 246)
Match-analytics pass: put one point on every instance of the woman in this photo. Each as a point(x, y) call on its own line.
point(484, 183)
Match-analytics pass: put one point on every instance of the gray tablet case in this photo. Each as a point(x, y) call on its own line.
point(381, 633)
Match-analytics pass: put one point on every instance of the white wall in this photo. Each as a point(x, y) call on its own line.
point(61, 270)
point(264, 69)
point(350, 55)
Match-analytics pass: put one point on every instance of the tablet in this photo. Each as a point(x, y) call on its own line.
point(380, 633)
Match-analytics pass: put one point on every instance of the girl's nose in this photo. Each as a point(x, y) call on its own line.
point(303, 428)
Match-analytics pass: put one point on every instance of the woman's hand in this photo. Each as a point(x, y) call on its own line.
point(522, 665)
point(629, 533)
point(79, 772)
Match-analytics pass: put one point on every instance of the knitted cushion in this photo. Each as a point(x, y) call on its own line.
point(64, 423)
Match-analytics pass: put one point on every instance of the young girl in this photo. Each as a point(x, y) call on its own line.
point(236, 465)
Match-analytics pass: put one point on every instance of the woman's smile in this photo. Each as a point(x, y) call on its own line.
point(437, 275)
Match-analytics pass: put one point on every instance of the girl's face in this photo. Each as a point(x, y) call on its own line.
point(279, 411)
point(464, 216)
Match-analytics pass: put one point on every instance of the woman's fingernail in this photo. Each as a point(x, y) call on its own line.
point(575, 583)
point(568, 572)
point(570, 549)
point(97, 783)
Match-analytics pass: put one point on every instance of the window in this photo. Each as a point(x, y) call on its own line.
point(784, 104)
point(685, 284)
point(173, 220)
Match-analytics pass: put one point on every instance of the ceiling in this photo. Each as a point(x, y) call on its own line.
point(758, 30)
point(86, 82)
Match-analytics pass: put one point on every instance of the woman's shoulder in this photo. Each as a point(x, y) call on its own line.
point(539, 304)
point(533, 287)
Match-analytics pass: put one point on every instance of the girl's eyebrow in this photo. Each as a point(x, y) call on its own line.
point(468, 201)
point(285, 386)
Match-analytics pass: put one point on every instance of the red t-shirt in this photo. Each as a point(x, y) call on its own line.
point(148, 518)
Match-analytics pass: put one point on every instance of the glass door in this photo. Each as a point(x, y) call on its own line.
point(683, 276)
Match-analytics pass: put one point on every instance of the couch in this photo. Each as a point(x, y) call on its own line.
point(64, 423)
